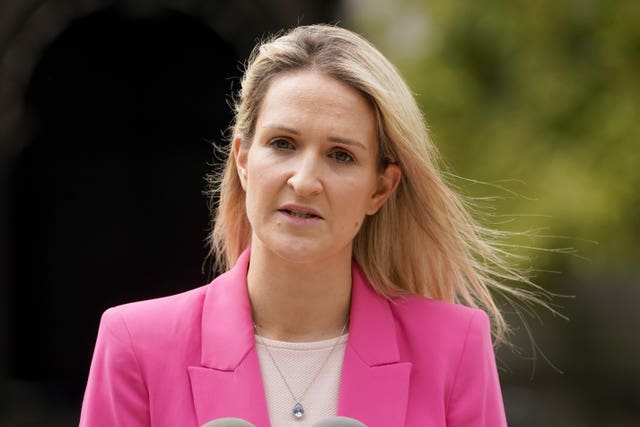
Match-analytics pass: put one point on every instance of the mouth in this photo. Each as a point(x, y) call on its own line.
point(300, 214)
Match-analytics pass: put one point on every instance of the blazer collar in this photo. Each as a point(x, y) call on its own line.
point(227, 319)
point(371, 325)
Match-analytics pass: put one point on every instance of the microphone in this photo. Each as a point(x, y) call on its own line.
point(228, 422)
point(338, 422)
point(327, 422)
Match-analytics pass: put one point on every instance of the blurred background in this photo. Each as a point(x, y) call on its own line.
point(108, 115)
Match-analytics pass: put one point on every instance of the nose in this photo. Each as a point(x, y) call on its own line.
point(305, 178)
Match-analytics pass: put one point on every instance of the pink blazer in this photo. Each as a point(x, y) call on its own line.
point(190, 358)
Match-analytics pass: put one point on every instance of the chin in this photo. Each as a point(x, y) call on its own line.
point(301, 255)
point(307, 252)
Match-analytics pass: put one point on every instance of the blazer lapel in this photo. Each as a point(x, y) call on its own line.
point(375, 384)
point(228, 383)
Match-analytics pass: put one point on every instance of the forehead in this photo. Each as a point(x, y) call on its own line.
point(312, 99)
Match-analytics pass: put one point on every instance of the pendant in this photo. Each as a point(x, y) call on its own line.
point(298, 411)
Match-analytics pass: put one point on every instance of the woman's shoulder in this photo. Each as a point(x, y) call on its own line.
point(441, 317)
point(157, 314)
point(438, 333)
point(141, 344)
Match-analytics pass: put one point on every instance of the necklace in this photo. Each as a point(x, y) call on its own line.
point(298, 409)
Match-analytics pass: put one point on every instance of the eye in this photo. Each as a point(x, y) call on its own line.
point(342, 156)
point(281, 144)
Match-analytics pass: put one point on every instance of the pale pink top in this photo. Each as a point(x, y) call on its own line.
point(299, 363)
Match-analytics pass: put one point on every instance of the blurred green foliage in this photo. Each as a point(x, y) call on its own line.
point(542, 98)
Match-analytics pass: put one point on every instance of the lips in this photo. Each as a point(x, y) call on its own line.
point(300, 212)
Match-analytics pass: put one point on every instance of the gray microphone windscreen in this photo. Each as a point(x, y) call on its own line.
point(228, 422)
point(338, 422)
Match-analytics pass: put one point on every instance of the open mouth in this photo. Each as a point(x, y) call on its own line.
point(298, 214)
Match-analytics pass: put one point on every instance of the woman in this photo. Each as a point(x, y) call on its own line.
point(347, 256)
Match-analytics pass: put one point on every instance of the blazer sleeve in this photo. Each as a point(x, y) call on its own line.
point(116, 394)
point(476, 399)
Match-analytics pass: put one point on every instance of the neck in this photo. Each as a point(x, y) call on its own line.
point(298, 302)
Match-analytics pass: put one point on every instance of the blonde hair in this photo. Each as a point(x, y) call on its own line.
point(442, 253)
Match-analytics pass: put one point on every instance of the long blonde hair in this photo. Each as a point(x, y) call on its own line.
point(423, 240)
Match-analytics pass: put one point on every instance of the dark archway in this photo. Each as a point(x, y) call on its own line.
point(106, 199)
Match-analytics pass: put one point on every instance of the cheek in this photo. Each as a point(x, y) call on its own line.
point(257, 176)
point(355, 204)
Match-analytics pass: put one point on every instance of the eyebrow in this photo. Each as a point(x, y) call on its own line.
point(339, 139)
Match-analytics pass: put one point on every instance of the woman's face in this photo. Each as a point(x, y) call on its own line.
point(310, 172)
